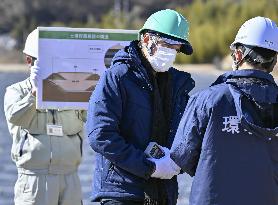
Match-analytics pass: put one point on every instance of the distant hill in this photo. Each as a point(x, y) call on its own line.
point(20, 17)
point(45, 12)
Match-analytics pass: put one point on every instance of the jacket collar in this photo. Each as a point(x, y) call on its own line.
point(244, 73)
point(181, 79)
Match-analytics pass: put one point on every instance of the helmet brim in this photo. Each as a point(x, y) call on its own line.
point(186, 48)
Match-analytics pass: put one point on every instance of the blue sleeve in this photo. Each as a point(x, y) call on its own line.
point(186, 148)
point(103, 127)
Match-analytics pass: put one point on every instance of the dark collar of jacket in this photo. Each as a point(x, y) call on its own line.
point(180, 79)
point(244, 73)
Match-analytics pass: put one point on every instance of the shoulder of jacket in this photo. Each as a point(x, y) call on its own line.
point(25, 84)
point(213, 94)
point(182, 76)
point(118, 70)
point(179, 73)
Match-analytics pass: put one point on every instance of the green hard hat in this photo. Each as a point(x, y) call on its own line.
point(170, 24)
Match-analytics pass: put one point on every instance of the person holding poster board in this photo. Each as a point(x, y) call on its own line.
point(47, 144)
point(134, 112)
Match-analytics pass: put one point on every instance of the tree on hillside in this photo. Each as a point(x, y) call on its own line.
point(214, 24)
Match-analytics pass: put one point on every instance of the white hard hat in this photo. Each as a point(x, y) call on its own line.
point(260, 32)
point(31, 44)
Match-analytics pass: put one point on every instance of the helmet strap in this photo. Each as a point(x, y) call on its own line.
point(257, 58)
point(254, 58)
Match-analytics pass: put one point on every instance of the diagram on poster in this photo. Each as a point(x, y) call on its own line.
point(71, 61)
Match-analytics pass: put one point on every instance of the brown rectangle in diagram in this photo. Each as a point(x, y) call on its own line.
point(69, 86)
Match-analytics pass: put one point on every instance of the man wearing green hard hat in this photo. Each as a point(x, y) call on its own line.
point(134, 112)
point(171, 27)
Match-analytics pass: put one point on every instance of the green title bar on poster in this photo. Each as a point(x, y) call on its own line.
point(88, 35)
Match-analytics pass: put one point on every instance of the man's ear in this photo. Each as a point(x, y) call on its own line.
point(238, 55)
point(28, 60)
point(146, 38)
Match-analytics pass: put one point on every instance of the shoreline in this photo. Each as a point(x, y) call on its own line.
point(190, 68)
point(14, 67)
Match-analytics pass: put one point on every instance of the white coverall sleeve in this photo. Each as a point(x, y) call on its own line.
point(19, 108)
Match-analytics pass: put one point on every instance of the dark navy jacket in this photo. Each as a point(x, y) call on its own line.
point(119, 125)
point(225, 143)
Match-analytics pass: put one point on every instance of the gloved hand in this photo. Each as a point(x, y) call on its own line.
point(34, 76)
point(166, 168)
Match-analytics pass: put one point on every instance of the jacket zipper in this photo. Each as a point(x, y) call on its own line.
point(50, 140)
point(22, 144)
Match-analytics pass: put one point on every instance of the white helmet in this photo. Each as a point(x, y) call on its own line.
point(260, 32)
point(31, 44)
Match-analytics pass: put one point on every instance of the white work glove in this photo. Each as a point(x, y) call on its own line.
point(165, 167)
point(34, 75)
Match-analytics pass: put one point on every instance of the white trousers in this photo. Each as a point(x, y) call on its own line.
point(48, 189)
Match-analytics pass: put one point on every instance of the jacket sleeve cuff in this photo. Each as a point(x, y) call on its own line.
point(151, 168)
point(187, 163)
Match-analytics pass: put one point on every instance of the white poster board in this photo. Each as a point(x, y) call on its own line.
point(72, 60)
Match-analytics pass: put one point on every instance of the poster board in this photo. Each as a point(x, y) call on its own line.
point(71, 62)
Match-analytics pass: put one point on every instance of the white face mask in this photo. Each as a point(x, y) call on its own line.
point(162, 59)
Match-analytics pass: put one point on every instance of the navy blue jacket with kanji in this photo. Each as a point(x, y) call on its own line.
point(119, 126)
point(227, 139)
